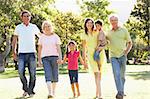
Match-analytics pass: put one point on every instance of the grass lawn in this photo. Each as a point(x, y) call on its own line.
point(137, 84)
point(135, 71)
point(138, 72)
point(11, 72)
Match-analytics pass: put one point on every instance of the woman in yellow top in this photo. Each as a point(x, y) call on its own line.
point(89, 43)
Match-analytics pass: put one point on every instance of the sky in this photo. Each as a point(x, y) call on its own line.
point(121, 7)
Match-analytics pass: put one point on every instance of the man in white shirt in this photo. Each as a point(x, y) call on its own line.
point(25, 36)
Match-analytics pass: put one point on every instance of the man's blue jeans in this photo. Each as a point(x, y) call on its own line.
point(119, 67)
point(29, 60)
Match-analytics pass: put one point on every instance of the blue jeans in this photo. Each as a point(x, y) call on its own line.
point(96, 55)
point(50, 68)
point(119, 67)
point(29, 60)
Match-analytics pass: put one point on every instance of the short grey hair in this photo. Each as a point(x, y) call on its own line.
point(113, 15)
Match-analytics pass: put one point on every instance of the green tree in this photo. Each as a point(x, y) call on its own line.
point(68, 27)
point(96, 9)
point(141, 13)
point(9, 11)
point(5, 11)
point(138, 26)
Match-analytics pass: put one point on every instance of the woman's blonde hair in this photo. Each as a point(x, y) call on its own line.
point(46, 22)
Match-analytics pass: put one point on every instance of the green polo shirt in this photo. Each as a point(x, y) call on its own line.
point(118, 40)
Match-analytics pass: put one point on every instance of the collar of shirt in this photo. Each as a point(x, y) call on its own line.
point(25, 25)
point(115, 29)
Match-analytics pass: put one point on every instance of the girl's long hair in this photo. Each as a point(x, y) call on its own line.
point(86, 20)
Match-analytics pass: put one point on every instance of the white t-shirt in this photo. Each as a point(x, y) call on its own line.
point(49, 45)
point(26, 37)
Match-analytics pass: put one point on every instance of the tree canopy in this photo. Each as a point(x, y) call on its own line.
point(96, 9)
point(69, 26)
point(139, 26)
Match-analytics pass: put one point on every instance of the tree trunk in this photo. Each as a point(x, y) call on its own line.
point(1, 63)
point(3, 55)
point(149, 22)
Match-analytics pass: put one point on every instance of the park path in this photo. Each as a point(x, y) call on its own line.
point(134, 89)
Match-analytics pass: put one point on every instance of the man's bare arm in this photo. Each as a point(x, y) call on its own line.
point(14, 46)
point(129, 46)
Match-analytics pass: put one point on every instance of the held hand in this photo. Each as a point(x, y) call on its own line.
point(85, 66)
point(15, 56)
point(62, 62)
point(59, 61)
point(100, 48)
point(97, 48)
point(39, 63)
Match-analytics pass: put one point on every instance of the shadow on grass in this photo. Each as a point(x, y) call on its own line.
point(145, 75)
point(9, 74)
point(22, 97)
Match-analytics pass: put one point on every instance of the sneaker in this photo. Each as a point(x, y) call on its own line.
point(50, 96)
point(118, 96)
point(31, 94)
point(24, 94)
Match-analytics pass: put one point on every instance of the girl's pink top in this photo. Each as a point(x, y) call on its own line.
point(73, 60)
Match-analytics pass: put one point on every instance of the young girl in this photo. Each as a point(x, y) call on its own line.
point(101, 42)
point(72, 56)
point(49, 53)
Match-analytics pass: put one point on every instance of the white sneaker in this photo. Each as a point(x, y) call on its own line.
point(24, 94)
point(31, 95)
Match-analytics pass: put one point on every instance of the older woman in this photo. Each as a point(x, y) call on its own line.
point(49, 53)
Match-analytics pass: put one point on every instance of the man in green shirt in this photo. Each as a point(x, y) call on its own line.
point(119, 47)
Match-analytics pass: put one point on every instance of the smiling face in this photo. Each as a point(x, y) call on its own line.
point(114, 21)
point(89, 24)
point(72, 46)
point(98, 27)
point(47, 27)
point(26, 17)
